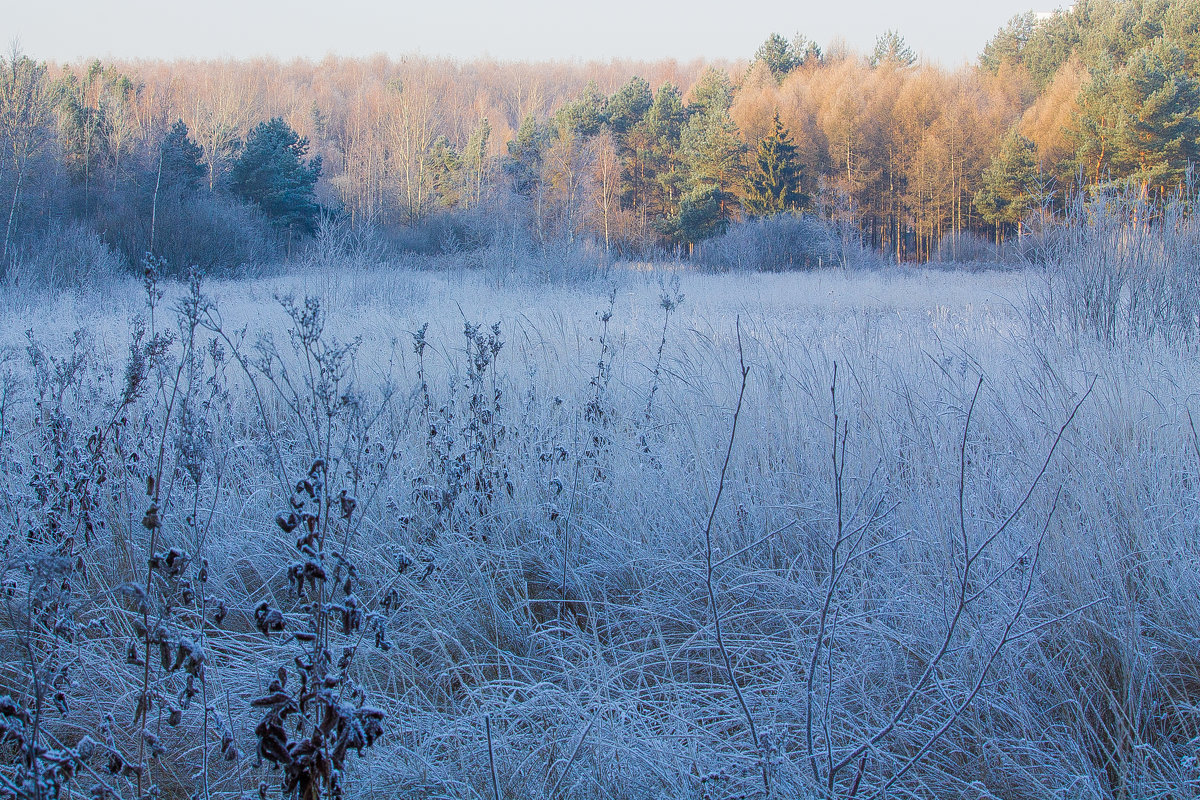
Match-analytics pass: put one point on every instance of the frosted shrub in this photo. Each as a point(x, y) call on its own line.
point(338, 245)
point(773, 244)
point(966, 248)
point(68, 256)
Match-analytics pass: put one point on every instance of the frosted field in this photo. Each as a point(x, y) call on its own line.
point(530, 535)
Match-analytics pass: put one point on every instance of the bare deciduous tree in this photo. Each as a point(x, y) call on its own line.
point(24, 126)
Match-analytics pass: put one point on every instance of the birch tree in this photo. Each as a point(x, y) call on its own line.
point(25, 107)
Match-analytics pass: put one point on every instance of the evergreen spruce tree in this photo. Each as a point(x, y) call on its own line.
point(774, 183)
point(272, 173)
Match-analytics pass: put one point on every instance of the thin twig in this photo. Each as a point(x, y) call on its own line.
point(1059, 618)
point(755, 544)
point(1005, 638)
point(710, 566)
point(969, 559)
point(487, 724)
point(566, 537)
point(574, 753)
point(1195, 437)
point(815, 660)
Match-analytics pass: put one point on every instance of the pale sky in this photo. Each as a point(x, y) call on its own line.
point(947, 31)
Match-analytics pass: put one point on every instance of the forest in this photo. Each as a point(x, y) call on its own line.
point(224, 164)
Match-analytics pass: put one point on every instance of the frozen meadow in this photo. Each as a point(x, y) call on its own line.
point(954, 553)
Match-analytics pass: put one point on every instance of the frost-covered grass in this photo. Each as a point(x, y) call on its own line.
point(528, 536)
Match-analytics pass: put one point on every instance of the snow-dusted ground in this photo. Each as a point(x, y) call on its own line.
point(1092, 693)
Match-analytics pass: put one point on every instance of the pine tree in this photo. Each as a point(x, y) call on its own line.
point(699, 215)
point(475, 161)
point(653, 177)
point(774, 183)
point(84, 123)
point(806, 52)
point(629, 105)
point(525, 153)
point(711, 152)
point(1007, 46)
point(712, 94)
point(1157, 141)
point(1009, 183)
point(586, 114)
point(1139, 122)
point(181, 160)
point(446, 167)
point(779, 56)
point(892, 51)
point(1096, 125)
point(272, 173)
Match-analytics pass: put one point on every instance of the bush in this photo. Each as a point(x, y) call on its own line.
point(567, 261)
point(337, 245)
point(213, 231)
point(500, 237)
point(218, 234)
point(69, 255)
point(778, 243)
point(454, 231)
point(965, 247)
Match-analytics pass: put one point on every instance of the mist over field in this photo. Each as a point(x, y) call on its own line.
point(816, 426)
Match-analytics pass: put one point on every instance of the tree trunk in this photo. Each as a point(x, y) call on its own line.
point(12, 213)
point(154, 201)
point(606, 245)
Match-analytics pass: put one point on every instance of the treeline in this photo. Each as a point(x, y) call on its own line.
point(220, 164)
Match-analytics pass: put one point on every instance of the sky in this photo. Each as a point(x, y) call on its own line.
point(949, 32)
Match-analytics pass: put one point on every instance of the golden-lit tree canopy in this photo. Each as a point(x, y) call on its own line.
point(1106, 93)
